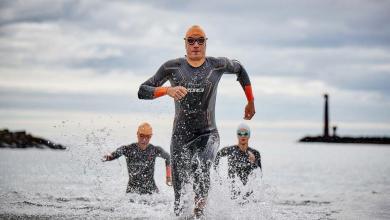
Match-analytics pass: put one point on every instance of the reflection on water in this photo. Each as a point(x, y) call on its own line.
point(299, 182)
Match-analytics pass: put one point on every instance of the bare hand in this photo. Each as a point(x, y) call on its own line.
point(251, 157)
point(107, 157)
point(249, 110)
point(177, 92)
point(169, 181)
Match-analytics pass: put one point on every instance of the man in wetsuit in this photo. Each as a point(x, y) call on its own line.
point(242, 159)
point(141, 158)
point(195, 139)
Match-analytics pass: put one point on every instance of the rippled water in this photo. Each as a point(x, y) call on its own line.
point(300, 181)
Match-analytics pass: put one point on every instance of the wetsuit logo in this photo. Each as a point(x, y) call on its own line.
point(195, 88)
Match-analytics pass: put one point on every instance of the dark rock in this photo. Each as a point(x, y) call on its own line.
point(20, 139)
point(347, 140)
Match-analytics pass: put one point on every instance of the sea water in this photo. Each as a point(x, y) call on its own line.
point(299, 181)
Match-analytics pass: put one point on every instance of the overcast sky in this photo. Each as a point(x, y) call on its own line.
point(76, 60)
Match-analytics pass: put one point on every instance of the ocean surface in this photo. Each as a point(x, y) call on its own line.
point(299, 181)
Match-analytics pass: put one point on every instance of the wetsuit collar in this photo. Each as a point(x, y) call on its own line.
point(246, 149)
point(196, 63)
point(139, 147)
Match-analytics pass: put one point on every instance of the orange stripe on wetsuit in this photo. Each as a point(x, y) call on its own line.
point(249, 93)
point(160, 91)
point(168, 171)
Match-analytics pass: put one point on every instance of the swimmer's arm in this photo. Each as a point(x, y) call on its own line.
point(216, 160)
point(233, 66)
point(162, 153)
point(114, 155)
point(152, 88)
point(222, 153)
point(258, 159)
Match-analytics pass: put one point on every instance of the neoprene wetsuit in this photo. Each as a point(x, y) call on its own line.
point(195, 139)
point(238, 162)
point(140, 166)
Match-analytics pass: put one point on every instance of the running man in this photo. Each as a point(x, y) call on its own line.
point(195, 139)
point(242, 159)
point(141, 158)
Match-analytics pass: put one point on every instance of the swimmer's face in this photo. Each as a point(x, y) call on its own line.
point(195, 47)
point(143, 139)
point(243, 136)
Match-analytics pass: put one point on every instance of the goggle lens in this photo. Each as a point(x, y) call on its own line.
point(243, 133)
point(191, 41)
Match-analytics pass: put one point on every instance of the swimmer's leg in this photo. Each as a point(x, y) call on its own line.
point(206, 150)
point(181, 168)
point(201, 186)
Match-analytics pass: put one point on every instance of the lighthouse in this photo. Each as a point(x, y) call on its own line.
point(334, 138)
point(326, 117)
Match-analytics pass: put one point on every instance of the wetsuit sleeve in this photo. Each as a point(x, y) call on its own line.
point(152, 88)
point(163, 154)
point(258, 160)
point(222, 153)
point(234, 67)
point(118, 152)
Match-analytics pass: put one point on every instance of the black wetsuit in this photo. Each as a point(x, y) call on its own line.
point(238, 162)
point(140, 165)
point(195, 139)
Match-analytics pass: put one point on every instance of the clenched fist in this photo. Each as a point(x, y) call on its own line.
point(177, 92)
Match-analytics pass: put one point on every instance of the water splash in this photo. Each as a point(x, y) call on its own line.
point(255, 200)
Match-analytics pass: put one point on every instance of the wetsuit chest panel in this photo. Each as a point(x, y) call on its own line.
point(140, 161)
point(198, 84)
point(195, 112)
point(239, 160)
point(239, 163)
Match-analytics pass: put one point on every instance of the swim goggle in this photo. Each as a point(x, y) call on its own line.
point(243, 133)
point(191, 41)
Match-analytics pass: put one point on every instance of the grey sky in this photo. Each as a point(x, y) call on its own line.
point(92, 56)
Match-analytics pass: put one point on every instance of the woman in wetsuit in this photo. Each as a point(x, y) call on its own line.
point(242, 159)
point(195, 140)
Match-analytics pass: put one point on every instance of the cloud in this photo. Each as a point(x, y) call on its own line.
point(41, 11)
point(57, 55)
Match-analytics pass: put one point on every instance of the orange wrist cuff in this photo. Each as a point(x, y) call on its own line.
point(249, 93)
point(168, 171)
point(160, 91)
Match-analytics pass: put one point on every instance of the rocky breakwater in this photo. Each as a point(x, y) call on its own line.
point(20, 139)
